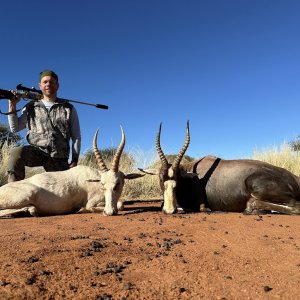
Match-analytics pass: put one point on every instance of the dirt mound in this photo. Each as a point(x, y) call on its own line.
point(143, 254)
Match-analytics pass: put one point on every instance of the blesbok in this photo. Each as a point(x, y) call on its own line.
point(225, 185)
point(79, 189)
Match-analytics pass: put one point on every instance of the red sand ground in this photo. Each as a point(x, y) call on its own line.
point(144, 254)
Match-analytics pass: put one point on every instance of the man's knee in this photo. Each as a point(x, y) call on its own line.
point(15, 153)
point(15, 165)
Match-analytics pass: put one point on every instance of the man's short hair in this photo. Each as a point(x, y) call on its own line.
point(48, 73)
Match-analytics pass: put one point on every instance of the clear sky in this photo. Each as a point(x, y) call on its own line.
point(230, 67)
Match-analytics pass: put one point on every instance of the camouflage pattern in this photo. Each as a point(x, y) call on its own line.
point(50, 130)
point(32, 156)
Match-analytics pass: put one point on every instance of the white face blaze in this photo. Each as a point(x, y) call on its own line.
point(113, 183)
point(170, 173)
point(170, 201)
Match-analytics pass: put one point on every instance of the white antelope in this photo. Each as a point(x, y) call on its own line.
point(79, 189)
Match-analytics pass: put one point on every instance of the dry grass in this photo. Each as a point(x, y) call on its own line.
point(147, 187)
point(4, 159)
point(282, 156)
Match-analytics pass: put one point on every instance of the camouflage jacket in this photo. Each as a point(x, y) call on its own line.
point(50, 129)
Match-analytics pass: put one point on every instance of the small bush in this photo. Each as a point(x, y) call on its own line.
point(7, 137)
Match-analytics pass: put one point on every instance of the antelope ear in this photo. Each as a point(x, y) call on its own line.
point(93, 180)
point(133, 175)
point(149, 171)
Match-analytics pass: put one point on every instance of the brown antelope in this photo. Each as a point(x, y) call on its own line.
point(225, 185)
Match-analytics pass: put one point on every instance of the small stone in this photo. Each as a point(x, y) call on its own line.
point(128, 286)
point(31, 280)
point(32, 259)
point(104, 297)
point(73, 288)
point(267, 289)
point(3, 283)
point(96, 245)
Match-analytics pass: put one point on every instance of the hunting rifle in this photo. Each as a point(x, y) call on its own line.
point(33, 94)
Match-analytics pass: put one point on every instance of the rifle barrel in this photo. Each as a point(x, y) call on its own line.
point(24, 88)
point(102, 106)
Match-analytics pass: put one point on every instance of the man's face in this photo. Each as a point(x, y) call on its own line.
point(49, 86)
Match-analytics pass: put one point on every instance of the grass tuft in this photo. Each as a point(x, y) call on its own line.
point(282, 156)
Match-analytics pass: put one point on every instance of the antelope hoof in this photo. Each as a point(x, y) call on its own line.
point(111, 213)
point(169, 212)
point(120, 205)
point(203, 208)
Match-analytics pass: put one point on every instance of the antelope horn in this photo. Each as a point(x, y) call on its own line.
point(159, 150)
point(117, 156)
point(178, 158)
point(99, 159)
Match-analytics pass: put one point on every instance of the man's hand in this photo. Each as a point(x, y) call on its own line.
point(12, 103)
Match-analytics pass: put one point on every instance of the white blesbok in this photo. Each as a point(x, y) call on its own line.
point(79, 189)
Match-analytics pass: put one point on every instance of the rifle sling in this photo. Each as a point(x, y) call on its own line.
point(10, 113)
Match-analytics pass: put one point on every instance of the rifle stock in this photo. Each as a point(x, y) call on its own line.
point(5, 94)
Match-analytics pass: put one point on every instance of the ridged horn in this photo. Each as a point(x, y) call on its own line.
point(117, 156)
point(179, 157)
point(162, 157)
point(99, 159)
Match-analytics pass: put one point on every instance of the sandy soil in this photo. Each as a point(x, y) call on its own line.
point(143, 254)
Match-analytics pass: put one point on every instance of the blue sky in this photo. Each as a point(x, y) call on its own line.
point(230, 67)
